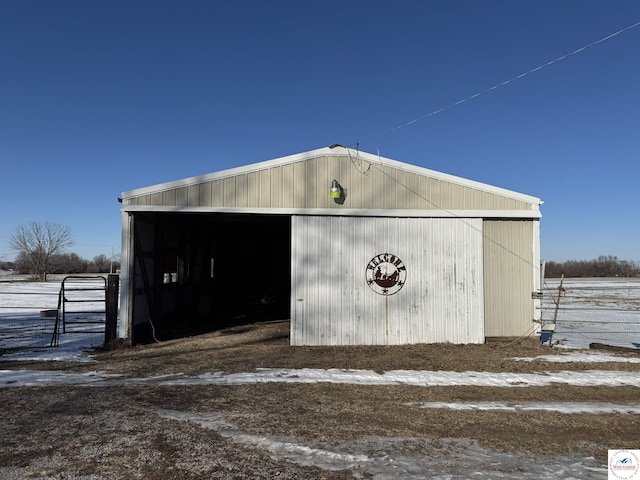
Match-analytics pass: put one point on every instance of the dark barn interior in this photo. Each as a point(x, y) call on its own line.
point(198, 272)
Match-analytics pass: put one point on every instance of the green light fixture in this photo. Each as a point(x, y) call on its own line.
point(336, 190)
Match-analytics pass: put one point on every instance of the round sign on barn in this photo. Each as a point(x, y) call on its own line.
point(385, 274)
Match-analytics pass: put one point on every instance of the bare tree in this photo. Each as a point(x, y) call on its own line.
point(603, 266)
point(37, 242)
point(101, 263)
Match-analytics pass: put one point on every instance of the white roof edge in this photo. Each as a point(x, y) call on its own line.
point(345, 212)
point(335, 150)
point(229, 172)
point(450, 178)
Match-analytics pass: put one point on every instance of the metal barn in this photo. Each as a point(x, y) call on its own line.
point(353, 248)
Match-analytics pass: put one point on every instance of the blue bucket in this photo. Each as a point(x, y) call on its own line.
point(545, 336)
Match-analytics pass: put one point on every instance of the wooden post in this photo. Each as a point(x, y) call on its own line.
point(113, 288)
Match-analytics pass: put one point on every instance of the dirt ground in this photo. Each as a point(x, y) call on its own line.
point(118, 432)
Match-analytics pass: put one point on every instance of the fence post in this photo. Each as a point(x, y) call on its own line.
point(111, 310)
point(557, 300)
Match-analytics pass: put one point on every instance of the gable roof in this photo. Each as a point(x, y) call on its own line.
point(302, 181)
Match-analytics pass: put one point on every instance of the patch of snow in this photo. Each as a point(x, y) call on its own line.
point(76, 348)
point(415, 378)
point(9, 378)
point(580, 356)
point(558, 407)
point(387, 458)
point(45, 378)
point(279, 447)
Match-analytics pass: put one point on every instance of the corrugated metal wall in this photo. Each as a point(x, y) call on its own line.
point(470, 278)
point(441, 301)
point(305, 184)
point(509, 277)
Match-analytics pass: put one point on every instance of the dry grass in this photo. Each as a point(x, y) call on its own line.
point(76, 432)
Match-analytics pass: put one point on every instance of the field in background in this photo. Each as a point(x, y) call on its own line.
point(590, 310)
point(22, 301)
point(593, 310)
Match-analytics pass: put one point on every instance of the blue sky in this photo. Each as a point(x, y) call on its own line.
point(101, 97)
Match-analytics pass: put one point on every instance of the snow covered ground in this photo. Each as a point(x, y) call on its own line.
point(584, 306)
point(593, 310)
point(22, 327)
point(581, 324)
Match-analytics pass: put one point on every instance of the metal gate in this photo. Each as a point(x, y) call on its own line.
point(82, 306)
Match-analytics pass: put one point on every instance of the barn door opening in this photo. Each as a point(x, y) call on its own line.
point(204, 272)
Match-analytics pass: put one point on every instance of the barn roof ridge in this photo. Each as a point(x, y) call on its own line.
point(333, 150)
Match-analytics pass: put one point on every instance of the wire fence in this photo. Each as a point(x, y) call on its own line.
point(29, 310)
point(583, 311)
point(586, 311)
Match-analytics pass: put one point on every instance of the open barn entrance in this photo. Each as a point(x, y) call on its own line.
point(197, 272)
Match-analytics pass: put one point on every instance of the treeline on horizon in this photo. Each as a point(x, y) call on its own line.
point(70, 263)
point(65, 263)
point(603, 266)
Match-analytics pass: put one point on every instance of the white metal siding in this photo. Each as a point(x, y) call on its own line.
point(441, 301)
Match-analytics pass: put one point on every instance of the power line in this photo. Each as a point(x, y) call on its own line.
point(506, 82)
point(459, 102)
